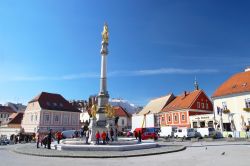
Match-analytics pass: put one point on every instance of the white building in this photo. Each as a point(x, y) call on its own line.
point(149, 115)
point(124, 121)
point(50, 111)
point(5, 112)
point(232, 102)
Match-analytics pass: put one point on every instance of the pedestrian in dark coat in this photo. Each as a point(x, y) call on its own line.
point(139, 137)
point(49, 138)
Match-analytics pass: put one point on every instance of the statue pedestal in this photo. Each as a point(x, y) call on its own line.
point(102, 125)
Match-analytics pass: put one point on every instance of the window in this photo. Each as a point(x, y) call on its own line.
point(162, 118)
point(123, 122)
point(183, 117)
point(65, 119)
point(195, 125)
point(1, 115)
point(224, 105)
point(202, 105)
point(210, 124)
point(198, 104)
point(169, 118)
point(46, 118)
point(56, 118)
point(31, 118)
point(247, 101)
point(207, 106)
point(55, 104)
point(175, 118)
point(36, 118)
point(74, 119)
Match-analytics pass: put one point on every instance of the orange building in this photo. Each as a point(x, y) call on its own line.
point(178, 111)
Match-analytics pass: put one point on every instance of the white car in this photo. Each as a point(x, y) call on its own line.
point(185, 133)
point(70, 133)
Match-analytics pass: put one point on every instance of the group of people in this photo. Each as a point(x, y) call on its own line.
point(46, 140)
point(104, 136)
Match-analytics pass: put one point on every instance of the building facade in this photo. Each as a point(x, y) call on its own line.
point(124, 121)
point(178, 112)
point(5, 112)
point(232, 103)
point(12, 127)
point(149, 115)
point(50, 111)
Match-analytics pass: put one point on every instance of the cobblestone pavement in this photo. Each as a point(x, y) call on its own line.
point(197, 153)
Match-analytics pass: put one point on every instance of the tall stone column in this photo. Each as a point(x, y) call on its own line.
point(99, 121)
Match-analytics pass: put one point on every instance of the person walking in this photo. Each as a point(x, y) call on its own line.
point(87, 136)
point(49, 138)
point(139, 137)
point(104, 137)
point(38, 139)
point(112, 134)
point(107, 137)
point(97, 137)
point(136, 134)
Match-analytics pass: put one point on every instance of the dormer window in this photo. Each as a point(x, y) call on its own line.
point(55, 104)
point(48, 103)
point(61, 104)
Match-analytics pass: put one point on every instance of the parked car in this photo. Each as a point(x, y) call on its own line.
point(167, 131)
point(70, 134)
point(148, 133)
point(185, 133)
point(206, 132)
point(4, 141)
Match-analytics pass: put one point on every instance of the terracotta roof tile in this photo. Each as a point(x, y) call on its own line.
point(51, 101)
point(183, 101)
point(17, 119)
point(156, 105)
point(119, 111)
point(238, 83)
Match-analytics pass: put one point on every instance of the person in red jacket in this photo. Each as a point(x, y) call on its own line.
point(97, 137)
point(104, 137)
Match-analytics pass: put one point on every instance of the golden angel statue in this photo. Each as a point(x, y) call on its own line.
point(109, 111)
point(93, 111)
point(105, 34)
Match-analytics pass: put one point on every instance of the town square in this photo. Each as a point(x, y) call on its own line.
point(124, 82)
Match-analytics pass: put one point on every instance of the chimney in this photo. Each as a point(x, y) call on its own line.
point(247, 69)
point(185, 93)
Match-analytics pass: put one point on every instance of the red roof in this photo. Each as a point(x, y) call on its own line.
point(6, 109)
point(184, 101)
point(119, 111)
point(17, 119)
point(238, 83)
point(51, 101)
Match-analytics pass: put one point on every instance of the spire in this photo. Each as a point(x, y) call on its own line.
point(196, 85)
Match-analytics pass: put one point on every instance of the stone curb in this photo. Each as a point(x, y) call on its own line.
point(177, 149)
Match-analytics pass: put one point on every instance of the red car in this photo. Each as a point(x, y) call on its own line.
point(147, 133)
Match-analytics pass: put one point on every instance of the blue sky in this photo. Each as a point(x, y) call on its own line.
point(156, 47)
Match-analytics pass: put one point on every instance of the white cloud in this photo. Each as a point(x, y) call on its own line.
point(121, 73)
